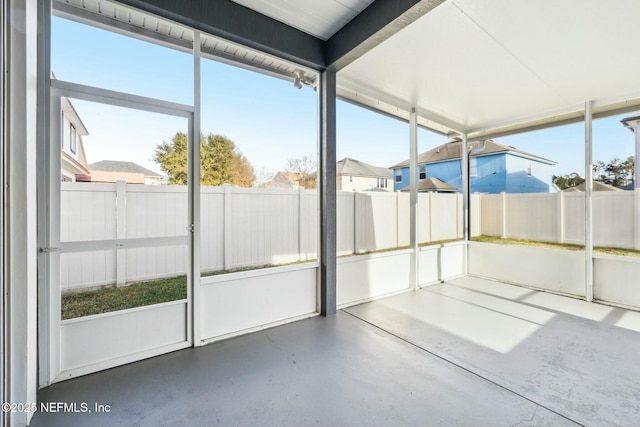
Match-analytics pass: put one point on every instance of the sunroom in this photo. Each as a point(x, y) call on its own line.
point(309, 305)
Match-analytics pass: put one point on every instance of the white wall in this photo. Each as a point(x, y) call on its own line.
point(551, 269)
point(615, 280)
point(244, 301)
point(20, 211)
point(363, 277)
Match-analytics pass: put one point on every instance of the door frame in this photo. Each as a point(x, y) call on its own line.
point(50, 245)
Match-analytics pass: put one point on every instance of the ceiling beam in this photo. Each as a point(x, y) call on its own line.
point(379, 21)
point(239, 24)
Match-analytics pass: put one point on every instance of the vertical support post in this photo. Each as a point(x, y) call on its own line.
point(503, 205)
point(43, 176)
point(300, 224)
point(466, 201)
point(194, 202)
point(397, 219)
point(327, 192)
point(636, 165)
point(121, 232)
point(466, 233)
point(413, 198)
point(227, 217)
point(3, 198)
point(588, 201)
point(355, 222)
point(430, 223)
point(20, 297)
point(636, 218)
point(560, 217)
point(636, 188)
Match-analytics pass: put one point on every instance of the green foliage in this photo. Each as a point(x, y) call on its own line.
point(220, 161)
point(172, 158)
point(78, 304)
point(567, 181)
point(617, 172)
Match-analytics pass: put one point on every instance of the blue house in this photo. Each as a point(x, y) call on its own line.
point(493, 168)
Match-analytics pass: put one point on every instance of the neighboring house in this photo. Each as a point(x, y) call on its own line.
point(493, 168)
point(73, 159)
point(112, 171)
point(354, 175)
point(597, 186)
point(292, 180)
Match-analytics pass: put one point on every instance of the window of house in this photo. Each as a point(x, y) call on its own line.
point(72, 138)
point(398, 175)
point(62, 131)
point(350, 178)
point(382, 182)
point(422, 172)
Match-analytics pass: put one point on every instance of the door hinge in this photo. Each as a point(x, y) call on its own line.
point(190, 228)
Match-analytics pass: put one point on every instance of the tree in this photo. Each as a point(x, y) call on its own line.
point(220, 161)
point(566, 181)
point(264, 176)
point(243, 173)
point(617, 172)
point(305, 168)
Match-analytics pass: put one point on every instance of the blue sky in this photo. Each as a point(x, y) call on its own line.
point(267, 118)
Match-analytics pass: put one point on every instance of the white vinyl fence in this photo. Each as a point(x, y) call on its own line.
point(240, 227)
point(559, 217)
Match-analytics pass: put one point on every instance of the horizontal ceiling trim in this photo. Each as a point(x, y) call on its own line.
point(375, 24)
point(108, 23)
point(575, 115)
point(239, 24)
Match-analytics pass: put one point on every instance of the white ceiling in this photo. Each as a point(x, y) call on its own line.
point(319, 18)
point(487, 65)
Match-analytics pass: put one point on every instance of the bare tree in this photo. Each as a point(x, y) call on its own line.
point(305, 168)
point(264, 176)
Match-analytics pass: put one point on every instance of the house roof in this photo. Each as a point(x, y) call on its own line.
point(286, 180)
point(597, 186)
point(355, 167)
point(75, 165)
point(432, 184)
point(72, 115)
point(119, 166)
point(453, 150)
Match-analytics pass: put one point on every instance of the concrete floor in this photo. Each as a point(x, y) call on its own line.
point(470, 352)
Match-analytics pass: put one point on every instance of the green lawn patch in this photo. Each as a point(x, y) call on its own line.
point(87, 303)
point(555, 245)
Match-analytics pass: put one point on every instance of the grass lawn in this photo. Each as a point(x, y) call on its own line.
point(554, 245)
point(86, 303)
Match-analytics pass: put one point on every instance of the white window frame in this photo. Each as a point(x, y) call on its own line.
point(73, 138)
point(422, 172)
